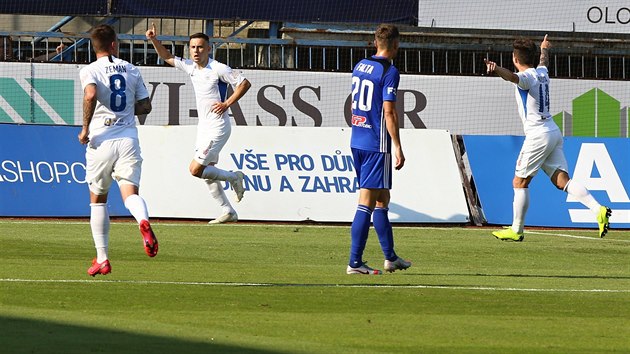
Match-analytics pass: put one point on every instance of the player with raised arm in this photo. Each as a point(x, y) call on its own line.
point(375, 132)
point(113, 92)
point(542, 148)
point(210, 79)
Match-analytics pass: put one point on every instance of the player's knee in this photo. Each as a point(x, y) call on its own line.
point(560, 184)
point(560, 179)
point(196, 169)
point(519, 182)
point(195, 172)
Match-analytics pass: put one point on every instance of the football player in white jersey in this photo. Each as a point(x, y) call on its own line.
point(210, 79)
point(542, 148)
point(113, 93)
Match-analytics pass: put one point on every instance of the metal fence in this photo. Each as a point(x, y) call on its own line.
point(433, 58)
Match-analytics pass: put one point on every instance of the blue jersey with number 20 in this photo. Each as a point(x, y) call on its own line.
point(374, 81)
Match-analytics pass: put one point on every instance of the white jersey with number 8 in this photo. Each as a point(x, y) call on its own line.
point(118, 86)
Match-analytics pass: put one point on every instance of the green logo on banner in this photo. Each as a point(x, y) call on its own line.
point(42, 101)
point(596, 114)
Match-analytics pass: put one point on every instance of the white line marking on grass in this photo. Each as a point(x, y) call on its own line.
point(297, 226)
point(575, 236)
point(402, 286)
point(53, 222)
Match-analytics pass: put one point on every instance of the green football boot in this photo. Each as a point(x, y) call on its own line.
point(602, 220)
point(508, 234)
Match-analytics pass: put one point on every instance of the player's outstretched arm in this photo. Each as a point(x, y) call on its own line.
point(159, 48)
point(544, 52)
point(504, 73)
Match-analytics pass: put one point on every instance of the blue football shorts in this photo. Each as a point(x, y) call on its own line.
point(374, 169)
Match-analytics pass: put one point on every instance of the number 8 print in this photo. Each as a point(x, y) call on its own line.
point(118, 86)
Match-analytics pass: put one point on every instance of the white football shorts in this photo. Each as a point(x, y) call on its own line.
point(542, 150)
point(114, 159)
point(210, 142)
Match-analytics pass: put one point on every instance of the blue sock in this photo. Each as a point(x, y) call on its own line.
point(359, 235)
point(385, 234)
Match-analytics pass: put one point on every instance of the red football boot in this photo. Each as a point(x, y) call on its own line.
point(99, 268)
point(149, 239)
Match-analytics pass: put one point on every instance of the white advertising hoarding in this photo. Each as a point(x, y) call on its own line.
point(297, 174)
point(462, 105)
point(610, 16)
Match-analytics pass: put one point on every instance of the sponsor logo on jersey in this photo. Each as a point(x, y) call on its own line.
point(359, 121)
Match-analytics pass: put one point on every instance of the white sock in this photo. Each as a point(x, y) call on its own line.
point(214, 173)
point(577, 190)
point(137, 207)
point(520, 205)
point(99, 223)
point(216, 191)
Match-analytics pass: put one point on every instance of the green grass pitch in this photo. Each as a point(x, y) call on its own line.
point(257, 288)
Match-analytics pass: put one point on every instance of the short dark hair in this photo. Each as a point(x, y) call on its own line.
point(525, 50)
point(102, 37)
point(386, 34)
point(200, 35)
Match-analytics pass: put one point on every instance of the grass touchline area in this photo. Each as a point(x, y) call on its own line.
point(275, 288)
point(399, 286)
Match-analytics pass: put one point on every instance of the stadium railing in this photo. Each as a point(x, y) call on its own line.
point(423, 51)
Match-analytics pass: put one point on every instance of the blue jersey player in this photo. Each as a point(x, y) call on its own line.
point(375, 133)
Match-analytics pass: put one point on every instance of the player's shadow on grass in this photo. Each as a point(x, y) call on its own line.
point(410, 214)
point(18, 335)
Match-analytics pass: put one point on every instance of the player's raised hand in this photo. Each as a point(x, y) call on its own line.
point(545, 43)
point(60, 48)
point(490, 66)
point(151, 31)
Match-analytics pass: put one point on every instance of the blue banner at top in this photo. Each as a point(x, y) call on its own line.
point(602, 165)
point(42, 173)
point(55, 8)
point(347, 11)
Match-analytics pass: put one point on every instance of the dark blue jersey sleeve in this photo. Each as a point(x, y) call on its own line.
point(390, 84)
